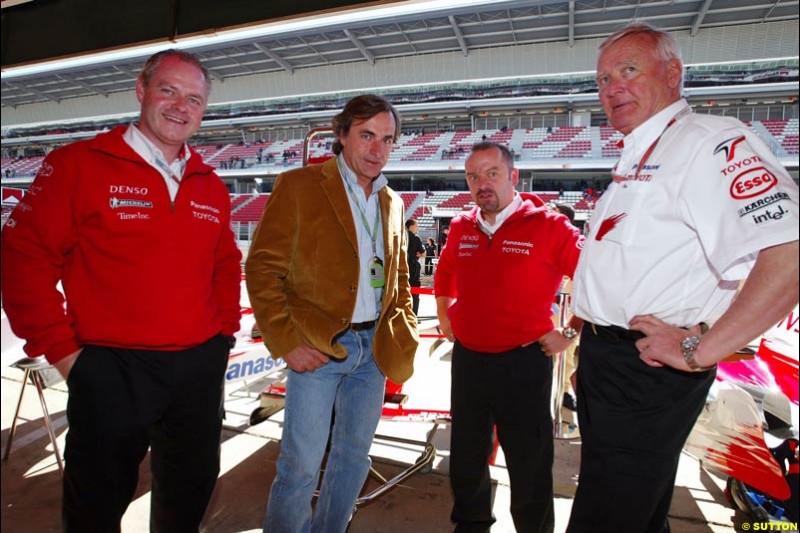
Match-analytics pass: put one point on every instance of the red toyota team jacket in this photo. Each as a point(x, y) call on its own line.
point(505, 286)
point(137, 271)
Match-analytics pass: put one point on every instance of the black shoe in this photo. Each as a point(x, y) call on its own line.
point(569, 402)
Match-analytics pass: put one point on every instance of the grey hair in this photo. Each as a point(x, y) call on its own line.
point(666, 47)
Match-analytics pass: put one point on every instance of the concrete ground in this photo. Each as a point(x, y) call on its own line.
point(31, 481)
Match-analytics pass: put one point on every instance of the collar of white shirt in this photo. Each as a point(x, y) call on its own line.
point(501, 217)
point(153, 155)
point(648, 131)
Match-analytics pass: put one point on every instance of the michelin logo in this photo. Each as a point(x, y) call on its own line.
point(117, 203)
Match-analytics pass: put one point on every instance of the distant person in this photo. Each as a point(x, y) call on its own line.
point(495, 284)
point(566, 210)
point(416, 250)
point(430, 255)
point(137, 229)
point(443, 238)
point(328, 281)
point(698, 204)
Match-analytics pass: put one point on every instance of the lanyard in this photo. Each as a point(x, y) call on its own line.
point(373, 233)
point(168, 169)
point(650, 149)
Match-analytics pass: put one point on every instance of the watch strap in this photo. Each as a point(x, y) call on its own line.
point(688, 350)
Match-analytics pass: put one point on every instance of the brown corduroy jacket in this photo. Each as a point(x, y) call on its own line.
point(302, 270)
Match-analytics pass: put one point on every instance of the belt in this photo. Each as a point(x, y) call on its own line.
point(361, 326)
point(616, 333)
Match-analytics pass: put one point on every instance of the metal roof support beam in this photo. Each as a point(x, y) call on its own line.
point(125, 69)
point(214, 75)
point(774, 5)
point(285, 65)
point(511, 25)
point(79, 83)
point(571, 23)
point(698, 19)
point(40, 94)
point(312, 47)
point(405, 36)
point(461, 42)
point(366, 53)
point(232, 59)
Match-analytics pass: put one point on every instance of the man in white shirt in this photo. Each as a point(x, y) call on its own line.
point(697, 204)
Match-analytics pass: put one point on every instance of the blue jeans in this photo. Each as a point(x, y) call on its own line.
point(353, 387)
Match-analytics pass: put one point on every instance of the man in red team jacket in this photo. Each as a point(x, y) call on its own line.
point(136, 228)
point(495, 286)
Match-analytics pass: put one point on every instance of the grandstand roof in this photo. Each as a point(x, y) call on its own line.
point(432, 27)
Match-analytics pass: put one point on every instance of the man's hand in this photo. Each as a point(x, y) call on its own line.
point(662, 345)
point(553, 342)
point(305, 358)
point(446, 329)
point(64, 366)
point(443, 303)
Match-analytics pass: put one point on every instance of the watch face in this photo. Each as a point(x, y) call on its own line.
point(690, 343)
point(569, 333)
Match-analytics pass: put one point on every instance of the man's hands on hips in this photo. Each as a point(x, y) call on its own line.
point(64, 366)
point(304, 358)
point(553, 342)
point(662, 345)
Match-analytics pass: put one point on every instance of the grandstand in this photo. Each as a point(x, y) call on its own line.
point(250, 209)
point(537, 145)
point(21, 166)
point(424, 207)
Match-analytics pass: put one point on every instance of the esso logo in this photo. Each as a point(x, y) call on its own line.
point(753, 182)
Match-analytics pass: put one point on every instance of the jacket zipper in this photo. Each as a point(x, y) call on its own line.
point(491, 237)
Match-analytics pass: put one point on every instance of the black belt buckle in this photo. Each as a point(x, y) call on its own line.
point(362, 326)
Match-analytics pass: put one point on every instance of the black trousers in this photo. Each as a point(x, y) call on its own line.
point(512, 391)
point(120, 403)
point(415, 299)
point(429, 265)
point(634, 420)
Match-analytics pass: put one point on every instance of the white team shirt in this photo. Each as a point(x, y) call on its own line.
point(675, 240)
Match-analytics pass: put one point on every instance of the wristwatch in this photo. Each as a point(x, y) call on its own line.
point(688, 348)
point(569, 333)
